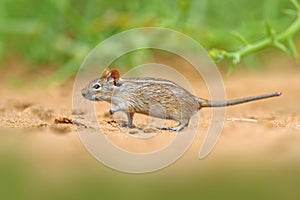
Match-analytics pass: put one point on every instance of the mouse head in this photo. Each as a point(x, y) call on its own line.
point(102, 89)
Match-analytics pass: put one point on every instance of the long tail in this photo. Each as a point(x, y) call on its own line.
point(207, 103)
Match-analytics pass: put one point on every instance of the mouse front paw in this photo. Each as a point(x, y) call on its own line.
point(114, 109)
point(129, 125)
point(111, 111)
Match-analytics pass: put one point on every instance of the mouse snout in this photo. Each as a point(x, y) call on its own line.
point(84, 92)
point(87, 94)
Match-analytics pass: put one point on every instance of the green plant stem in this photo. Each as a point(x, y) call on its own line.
point(276, 40)
point(250, 48)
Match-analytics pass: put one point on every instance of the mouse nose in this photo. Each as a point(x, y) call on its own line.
point(84, 92)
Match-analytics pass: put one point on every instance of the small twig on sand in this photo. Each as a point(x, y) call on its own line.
point(242, 120)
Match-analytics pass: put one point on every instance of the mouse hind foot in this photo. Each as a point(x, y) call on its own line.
point(176, 128)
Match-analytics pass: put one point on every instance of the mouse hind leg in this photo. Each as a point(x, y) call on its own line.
point(182, 119)
point(179, 127)
point(129, 123)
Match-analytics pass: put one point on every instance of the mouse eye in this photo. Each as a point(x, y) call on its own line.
point(96, 86)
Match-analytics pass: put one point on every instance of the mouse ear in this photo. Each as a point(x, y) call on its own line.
point(115, 74)
point(105, 73)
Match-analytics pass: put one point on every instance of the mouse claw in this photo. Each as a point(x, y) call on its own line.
point(166, 128)
point(129, 125)
point(177, 128)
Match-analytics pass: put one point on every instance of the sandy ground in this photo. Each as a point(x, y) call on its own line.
point(37, 123)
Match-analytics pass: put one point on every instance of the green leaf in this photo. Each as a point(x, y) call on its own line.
point(231, 68)
point(240, 38)
point(296, 4)
point(270, 30)
point(293, 48)
point(290, 12)
point(280, 46)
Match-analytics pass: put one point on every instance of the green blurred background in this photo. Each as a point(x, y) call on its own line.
point(58, 34)
point(62, 32)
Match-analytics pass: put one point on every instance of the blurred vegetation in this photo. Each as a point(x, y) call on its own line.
point(283, 41)
point(62, 32)
point(225, 181)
